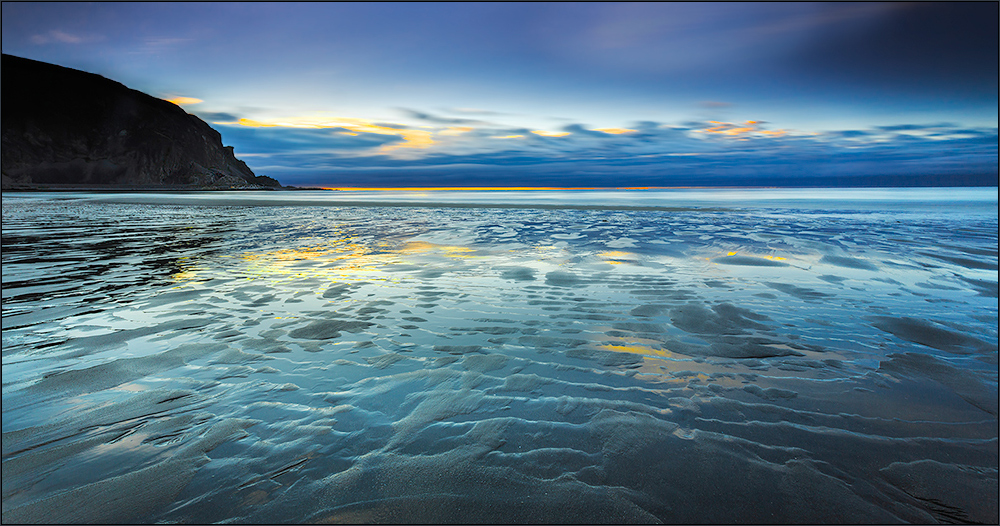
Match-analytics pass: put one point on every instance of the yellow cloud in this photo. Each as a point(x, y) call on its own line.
point(456, 130)
point(544, 133)
point(254, 124)
point(412, 138)
point(180, 101)
point(740, 131)
point(509, 137)
point(614, 131)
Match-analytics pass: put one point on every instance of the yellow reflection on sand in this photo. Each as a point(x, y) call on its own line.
point(772, 257)
point(186, 271)
point(419, 247)
point(635, 348)
point(342, 259)
point(618, 257)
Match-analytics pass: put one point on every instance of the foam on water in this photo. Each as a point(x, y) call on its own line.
point(500, 357)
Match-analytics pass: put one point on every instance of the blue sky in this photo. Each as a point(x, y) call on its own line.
point(556, 94)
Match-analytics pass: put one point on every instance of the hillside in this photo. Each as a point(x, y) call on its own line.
point(64, 127)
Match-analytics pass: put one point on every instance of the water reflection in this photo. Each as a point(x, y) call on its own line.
point(292, 363)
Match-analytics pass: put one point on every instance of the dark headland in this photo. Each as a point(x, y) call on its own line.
point(68, 129)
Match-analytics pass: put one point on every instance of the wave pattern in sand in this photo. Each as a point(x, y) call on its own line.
point(172, 362)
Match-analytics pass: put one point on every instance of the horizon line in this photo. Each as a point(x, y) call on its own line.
point(527, 188)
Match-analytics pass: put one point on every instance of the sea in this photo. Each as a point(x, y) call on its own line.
point(531, 356)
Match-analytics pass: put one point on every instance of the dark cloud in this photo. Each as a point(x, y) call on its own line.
point(665, 156)
point(915, 127)
point(476, 111)
point(392, 125)
point(450, 121)
point(655, 154)
point(578, 129)
point(299, 141)
point(915, 47)
point(850, 134)
point(216, 116)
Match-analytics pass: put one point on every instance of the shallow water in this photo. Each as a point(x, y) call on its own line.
point(678, 356)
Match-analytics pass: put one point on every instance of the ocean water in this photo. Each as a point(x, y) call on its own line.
point(679, 356)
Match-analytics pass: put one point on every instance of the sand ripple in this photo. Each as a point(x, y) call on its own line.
point(179, 363)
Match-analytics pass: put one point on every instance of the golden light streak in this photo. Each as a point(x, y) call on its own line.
point(180, 101)
point(250, 123)
point(633, 348)
point(618, 257)
point(508, 188)
point(411, 138)
point(615, 131)
point(544, 133)
point(616, 254)
point(420, 247)
point(509, 137)
point(740, 131)
point(456, 130)
point(764, 256)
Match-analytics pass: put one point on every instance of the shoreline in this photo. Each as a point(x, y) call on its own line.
point(185, 189)
point(127, 189)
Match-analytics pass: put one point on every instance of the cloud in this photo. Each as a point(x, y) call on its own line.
point(912, 127)
point(924, 47)
point(412, 139)
point(301, 143)
point(579, 129)
point(476, 111)
point(157, 45)
point(217, 117)
point(661, 155)
point(391, 125)
point(850, 134)
point(452, 121)
point(181, 101)
point(332, 151)
point(545, 133)
point(615, 131)
point(56, 36)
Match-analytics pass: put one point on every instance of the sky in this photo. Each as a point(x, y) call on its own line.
point(558, 94)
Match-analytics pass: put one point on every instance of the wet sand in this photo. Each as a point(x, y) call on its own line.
point(202, 361)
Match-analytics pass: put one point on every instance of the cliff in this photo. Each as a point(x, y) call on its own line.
point(62, 126)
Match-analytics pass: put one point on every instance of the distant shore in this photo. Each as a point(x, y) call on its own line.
point(140, 188)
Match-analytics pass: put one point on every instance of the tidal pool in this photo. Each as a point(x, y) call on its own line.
point(702, 357)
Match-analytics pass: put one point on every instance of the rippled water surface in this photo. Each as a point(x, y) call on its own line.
point(677, 356)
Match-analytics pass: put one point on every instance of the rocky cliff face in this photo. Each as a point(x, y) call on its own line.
point(67, 127)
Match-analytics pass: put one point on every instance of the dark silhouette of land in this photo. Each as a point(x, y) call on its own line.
point(68, 129)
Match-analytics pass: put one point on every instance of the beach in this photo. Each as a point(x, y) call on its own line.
point(678, 356)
